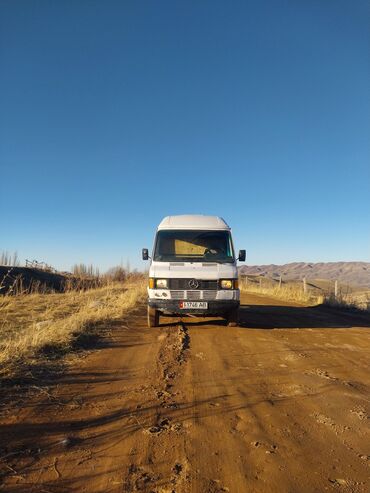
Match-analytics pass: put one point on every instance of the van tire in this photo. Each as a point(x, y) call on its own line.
point(233, 317)
point(153, 317)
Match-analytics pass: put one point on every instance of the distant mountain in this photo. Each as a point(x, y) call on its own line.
point(352, 273)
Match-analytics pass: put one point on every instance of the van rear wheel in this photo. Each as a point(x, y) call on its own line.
point(233, 317)
point(153, 317)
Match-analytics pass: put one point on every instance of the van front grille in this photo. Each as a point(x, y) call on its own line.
point(184, 284)
point(209, 295)
point(193, 295)
point(178, 295)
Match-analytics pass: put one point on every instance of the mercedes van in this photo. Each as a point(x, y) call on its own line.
point(193, 269)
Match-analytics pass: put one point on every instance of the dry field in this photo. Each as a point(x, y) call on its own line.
point(278, 404)
point(38, 326)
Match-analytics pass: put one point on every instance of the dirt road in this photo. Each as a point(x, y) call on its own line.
point(279, 404)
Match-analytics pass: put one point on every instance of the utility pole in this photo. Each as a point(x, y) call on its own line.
point(304, 285)
point(336, 289)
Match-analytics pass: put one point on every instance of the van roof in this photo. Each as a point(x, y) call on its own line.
point(193, 221)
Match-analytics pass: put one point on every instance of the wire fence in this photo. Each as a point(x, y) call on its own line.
point(35, 264)
point(332, 287)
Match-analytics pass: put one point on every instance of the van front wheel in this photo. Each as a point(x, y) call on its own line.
point(153, 317)
point(233, 317)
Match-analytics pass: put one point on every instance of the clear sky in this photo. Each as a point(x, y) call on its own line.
point(114, 114)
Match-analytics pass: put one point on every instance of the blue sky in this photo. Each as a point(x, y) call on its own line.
point(115, 114)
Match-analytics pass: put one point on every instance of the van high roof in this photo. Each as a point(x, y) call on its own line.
point(196, 221)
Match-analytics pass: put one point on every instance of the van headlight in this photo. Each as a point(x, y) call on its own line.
point(161, 283)
point(226, 284)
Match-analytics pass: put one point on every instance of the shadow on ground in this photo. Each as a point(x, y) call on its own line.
point(292, 317)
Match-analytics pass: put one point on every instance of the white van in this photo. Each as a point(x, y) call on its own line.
point(193, 269)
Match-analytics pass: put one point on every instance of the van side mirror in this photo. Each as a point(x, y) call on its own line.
point(145, 254)
point(242, 255)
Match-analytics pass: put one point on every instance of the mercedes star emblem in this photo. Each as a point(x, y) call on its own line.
point(193, 284)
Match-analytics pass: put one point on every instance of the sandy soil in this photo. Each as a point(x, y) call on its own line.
point(279, 404)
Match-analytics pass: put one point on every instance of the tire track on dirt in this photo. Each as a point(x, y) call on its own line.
point(166, 466)
point(171, 357)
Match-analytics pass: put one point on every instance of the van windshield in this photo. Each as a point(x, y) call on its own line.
point(193, 246)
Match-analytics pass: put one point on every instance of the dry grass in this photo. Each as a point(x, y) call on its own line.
point(354, 301)
point(287, 292)
point(294, 292)
point(29, 324)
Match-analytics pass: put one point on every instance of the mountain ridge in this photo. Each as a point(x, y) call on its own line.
point(353, 273)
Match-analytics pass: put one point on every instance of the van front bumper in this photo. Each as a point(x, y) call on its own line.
point(215, 307)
